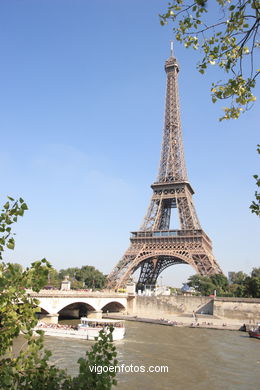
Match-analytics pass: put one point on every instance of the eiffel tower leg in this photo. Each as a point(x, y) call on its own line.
point(150, 271)
point(206, 264)
point(146, 274)
point(119, 270)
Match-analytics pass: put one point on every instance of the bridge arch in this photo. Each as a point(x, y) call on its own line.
point(43, 310)
point(113, 307)
point(73, 301)
point(75, 310)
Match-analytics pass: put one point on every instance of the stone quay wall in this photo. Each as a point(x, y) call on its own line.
point(242, 309)
point(160, 306)
point(245, 309)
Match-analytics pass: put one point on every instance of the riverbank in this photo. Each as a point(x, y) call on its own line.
point(207, 322)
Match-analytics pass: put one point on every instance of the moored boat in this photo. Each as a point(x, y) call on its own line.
point(255, 332)
point(88, 329)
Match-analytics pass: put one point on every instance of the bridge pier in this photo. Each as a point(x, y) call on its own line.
point(50, 318)
point(95, 314)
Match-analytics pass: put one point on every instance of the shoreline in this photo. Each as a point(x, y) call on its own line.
point(181, 321)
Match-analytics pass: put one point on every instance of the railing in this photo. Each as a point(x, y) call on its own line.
point(171, 233)
point(168, 233)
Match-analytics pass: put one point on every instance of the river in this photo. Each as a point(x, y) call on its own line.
point(197, 359)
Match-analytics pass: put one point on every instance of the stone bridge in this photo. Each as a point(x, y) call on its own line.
point(55, 304)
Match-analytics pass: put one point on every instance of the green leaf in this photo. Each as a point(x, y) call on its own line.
point(10, 245)
point(6, 206)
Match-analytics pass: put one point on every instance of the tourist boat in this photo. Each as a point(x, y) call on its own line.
point(88, 329)
point(255, 332)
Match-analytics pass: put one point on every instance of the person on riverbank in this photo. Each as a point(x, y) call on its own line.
point(195, 316)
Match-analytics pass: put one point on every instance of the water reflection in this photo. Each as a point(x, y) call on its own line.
point(197, 359)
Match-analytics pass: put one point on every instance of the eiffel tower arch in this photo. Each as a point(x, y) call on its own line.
point(155, 246)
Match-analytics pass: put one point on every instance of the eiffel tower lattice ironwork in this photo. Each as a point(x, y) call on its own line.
point(155, 246)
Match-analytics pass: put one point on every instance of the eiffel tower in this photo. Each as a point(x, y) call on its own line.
point(155, 246)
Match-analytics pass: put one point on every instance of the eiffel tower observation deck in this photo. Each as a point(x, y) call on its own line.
point(155, 246)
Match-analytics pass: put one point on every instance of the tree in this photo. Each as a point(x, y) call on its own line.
point(91, 277)
point(236, 290)
point(86, 276)
point(252, 287)
point(226, 34)
point(30, 369)
point(220, 282)
point(238, 277)
point(255, 206)
point(241, 285)
point(237, 284)
point(18, 266)
point(202, 284)
point(206, 285)
point(255, 272)
point(53, 278)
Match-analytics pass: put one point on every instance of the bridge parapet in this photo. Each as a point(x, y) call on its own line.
point(76, 293)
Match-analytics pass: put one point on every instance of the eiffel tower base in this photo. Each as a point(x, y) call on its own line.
point(153, 252)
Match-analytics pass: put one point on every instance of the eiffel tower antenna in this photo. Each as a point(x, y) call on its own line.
point(171, 48)
point(156, 246)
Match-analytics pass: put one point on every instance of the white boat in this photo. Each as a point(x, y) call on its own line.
point(88, 329)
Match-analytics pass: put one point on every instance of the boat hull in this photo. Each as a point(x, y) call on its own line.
point(254, 334)
point(83, 334)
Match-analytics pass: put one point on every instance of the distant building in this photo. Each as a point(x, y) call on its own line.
point(155, 291)
point(230, 275)
point(187, 290)
point(65, 284)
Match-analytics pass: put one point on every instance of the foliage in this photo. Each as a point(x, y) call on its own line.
point(53, 278)
point(226, 33)
point(255, 206)
point(252, 287)
point(237, 277)
point(241, 285)
point(255, 272)
point(102, 354)
point(86, 276)
point(29, 368)
point(206, 285)
point(8, 216)
point(236, 290)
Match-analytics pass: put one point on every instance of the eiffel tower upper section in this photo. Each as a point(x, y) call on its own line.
point(172, 166)
point(172, 176)
point(156, 245)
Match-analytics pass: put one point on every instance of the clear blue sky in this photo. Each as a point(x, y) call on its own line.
point(81, 117)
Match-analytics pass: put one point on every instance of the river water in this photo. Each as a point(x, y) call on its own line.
point(197, 359)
